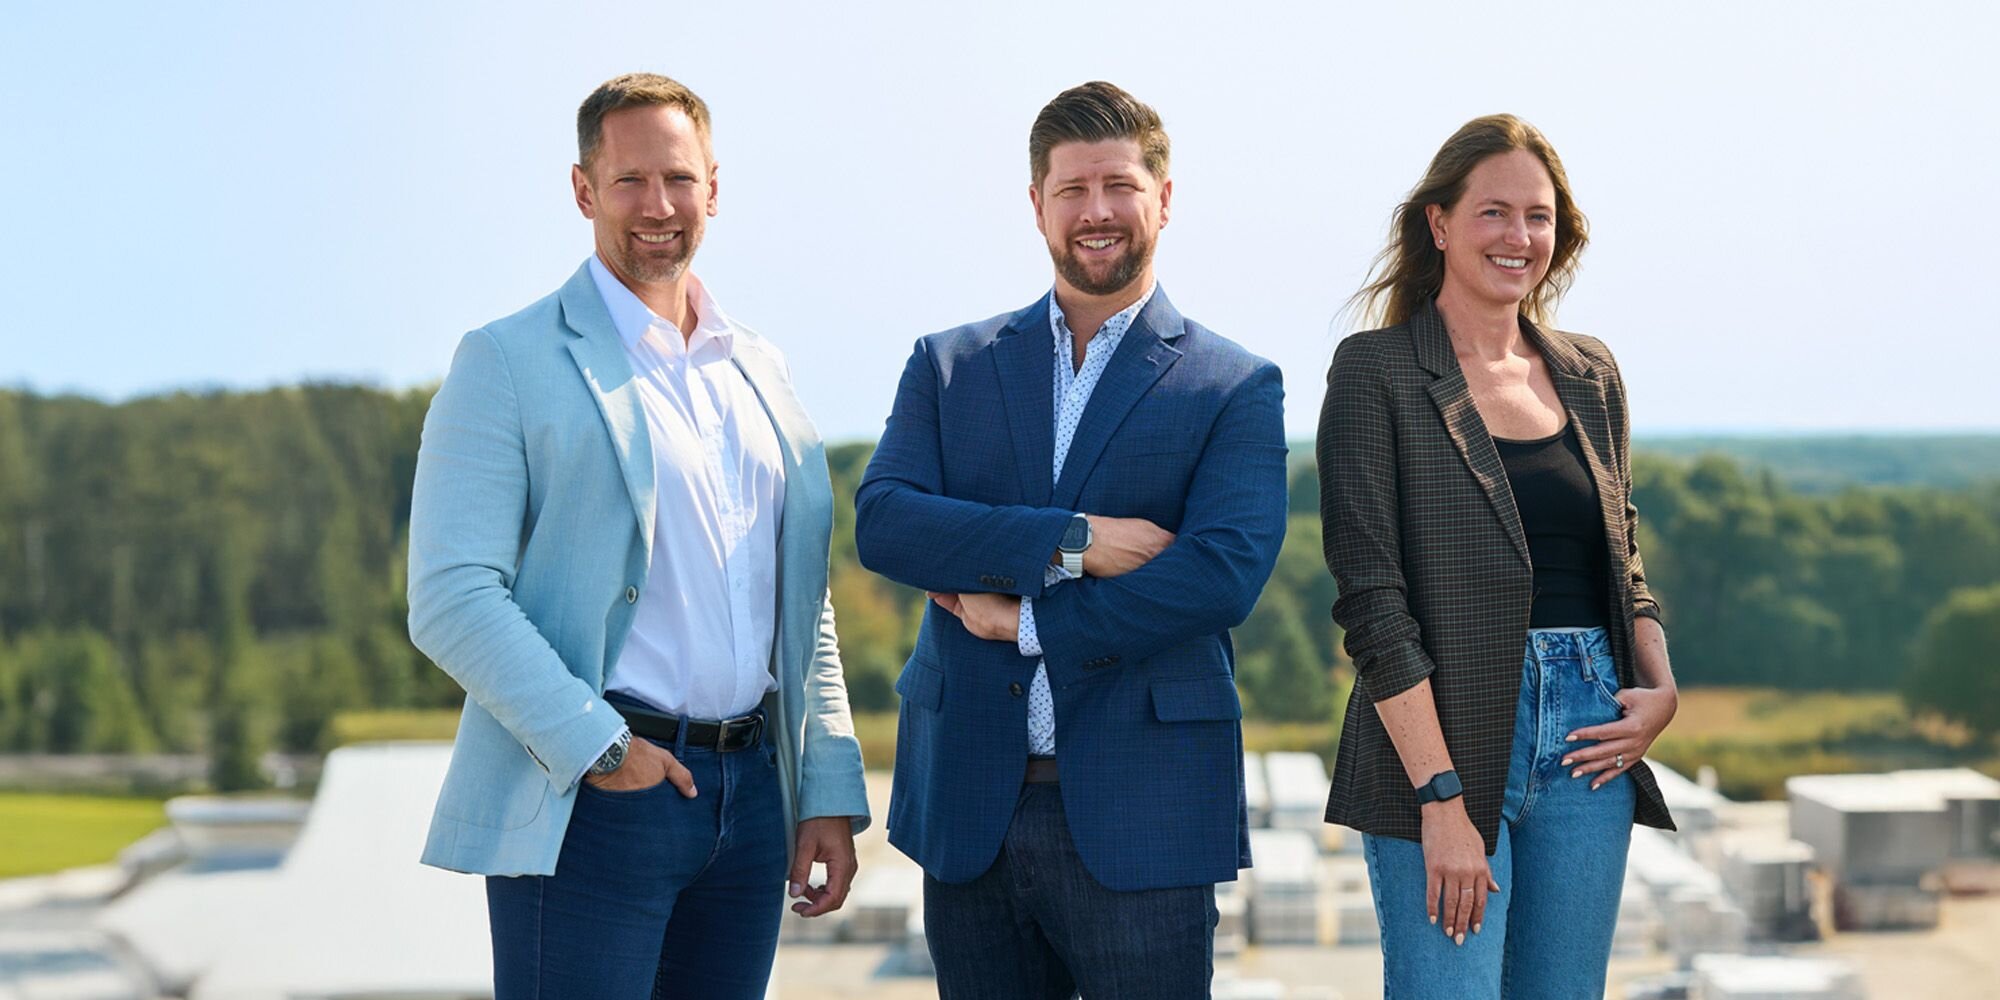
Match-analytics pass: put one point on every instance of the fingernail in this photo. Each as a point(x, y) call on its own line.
point(1567, 761)
point(1569, 739)
point(1578, 773)
point(794, 889)
point(1434, 921)
point(1476, 927)
point(1460, 939)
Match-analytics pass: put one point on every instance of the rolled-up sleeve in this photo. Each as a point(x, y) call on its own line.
point(1361, 523)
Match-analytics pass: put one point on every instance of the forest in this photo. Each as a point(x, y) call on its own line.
point(223, 572)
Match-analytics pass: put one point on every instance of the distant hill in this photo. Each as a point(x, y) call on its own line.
point(1830, 463)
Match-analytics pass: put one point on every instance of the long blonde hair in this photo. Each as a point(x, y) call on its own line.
point(1410, 270)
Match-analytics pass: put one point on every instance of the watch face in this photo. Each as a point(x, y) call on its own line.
point(1076, 536)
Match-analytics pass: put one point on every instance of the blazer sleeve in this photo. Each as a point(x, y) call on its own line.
point(906, 529)
point(830, 775)
point(1208, 579)
point(469, 502)
point(1644, 605)
point(1361, 524)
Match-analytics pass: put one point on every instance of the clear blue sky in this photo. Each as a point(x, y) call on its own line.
point(1791, 202)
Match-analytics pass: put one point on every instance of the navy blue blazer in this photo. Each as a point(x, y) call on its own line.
point(1184, 429)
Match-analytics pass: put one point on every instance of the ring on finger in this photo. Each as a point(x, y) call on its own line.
point(1618, 761)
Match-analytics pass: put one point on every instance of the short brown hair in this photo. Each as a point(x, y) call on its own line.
point(1094, 112)
point(1410, 270)
point(633, 90)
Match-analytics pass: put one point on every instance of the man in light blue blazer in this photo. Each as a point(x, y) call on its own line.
point(618, 547)
point(1093, 490)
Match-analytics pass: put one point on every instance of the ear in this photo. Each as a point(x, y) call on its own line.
point(1035, 199)
point(1166, 200)
point(1435, 215)
point(581, 182)
point(714, 186)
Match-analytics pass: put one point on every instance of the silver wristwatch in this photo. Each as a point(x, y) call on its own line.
point(614, 755)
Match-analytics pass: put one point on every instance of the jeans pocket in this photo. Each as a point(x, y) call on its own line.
point(617, 794)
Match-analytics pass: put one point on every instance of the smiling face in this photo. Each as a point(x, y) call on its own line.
point(1499, 238)
point(1101, 212)
point(648, 192)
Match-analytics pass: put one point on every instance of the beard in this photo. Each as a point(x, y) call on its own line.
point(655, 266)
point(1108, 276)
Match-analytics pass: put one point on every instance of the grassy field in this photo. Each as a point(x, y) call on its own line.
point(1755, 738)
point(45, 833)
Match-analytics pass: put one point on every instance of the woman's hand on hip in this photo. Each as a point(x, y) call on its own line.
point(1457, 878)
point(1622, 743)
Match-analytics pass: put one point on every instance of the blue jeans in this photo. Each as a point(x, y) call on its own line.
point(1560, 860)
point(1037, 926)
point(654, 895)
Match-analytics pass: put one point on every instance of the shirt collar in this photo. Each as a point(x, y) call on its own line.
point(634, 319)
point(1112, 329)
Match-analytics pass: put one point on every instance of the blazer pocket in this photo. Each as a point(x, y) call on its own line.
point(921, 685)
point(1196, 699)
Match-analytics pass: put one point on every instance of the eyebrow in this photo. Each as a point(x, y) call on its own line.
point(1504, 203)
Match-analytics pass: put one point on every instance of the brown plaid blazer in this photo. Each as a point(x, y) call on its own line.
point(1426, 545)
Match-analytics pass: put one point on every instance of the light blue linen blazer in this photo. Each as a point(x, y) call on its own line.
point(531, 536)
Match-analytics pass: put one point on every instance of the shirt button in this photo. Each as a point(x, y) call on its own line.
point(631, 595)
point(1014, 689)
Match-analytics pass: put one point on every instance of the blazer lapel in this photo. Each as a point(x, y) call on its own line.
point(1583, 396)
point(788, 418)
point(600, 356)
point(1462, 422)
point(1142, 357)
point(1025, 356)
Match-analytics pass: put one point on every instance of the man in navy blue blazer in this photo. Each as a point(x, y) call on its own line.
point(1092, 490)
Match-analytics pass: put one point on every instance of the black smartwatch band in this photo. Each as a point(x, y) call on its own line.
point(1442, 786)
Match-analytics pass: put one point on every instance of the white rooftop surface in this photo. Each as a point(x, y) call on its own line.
point(351, 912)
point(1285, 857)
point(181, 923)
point(1657, 861)
point(1683, 794)
point(1255, 794)
point(1951, 782)
point(1773, 975)
point(1296, 779)
point(1866, 793)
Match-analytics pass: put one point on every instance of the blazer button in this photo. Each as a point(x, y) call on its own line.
point(631, 595)
point(1014, 689)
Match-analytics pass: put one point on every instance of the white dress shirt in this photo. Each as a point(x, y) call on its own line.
point(701, 637)
point(1073, 386)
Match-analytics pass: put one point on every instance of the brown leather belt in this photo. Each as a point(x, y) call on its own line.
point(723, 736)
point(1041, 771)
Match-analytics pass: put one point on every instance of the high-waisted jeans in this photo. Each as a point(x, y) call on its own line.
point(1560, 861)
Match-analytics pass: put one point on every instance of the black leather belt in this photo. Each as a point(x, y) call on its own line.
point(725, 736)
point(1041, 771)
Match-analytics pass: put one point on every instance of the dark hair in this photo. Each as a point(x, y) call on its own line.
point(1094, 112)
point(633, 90)
point(1410, 270)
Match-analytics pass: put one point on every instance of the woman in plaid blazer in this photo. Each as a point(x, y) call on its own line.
point(1511, 670)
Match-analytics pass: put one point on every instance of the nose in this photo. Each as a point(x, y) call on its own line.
point(1517, 231)
point(657, 205)
point(1096, 208)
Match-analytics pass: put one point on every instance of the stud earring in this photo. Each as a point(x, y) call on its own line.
point(1440, 244)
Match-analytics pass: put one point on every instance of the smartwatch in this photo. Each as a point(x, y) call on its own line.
point(1075, 542)
point(1442, 786)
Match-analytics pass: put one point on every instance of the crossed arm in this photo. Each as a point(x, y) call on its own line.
point(1205, 580)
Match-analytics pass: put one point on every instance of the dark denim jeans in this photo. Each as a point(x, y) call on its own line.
point(654, 895)
point(1560, 861)
point(1037, 926)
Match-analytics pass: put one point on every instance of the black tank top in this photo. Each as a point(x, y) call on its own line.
point(1565, 528)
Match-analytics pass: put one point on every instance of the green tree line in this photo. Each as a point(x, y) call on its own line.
point(223, 572)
